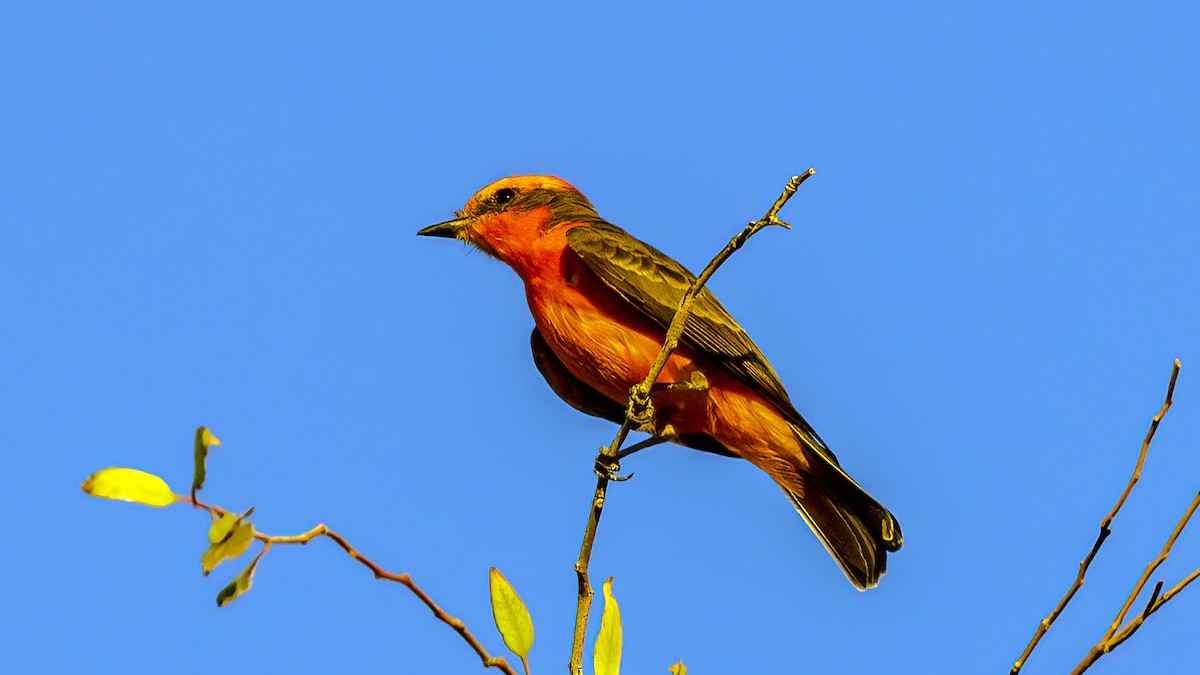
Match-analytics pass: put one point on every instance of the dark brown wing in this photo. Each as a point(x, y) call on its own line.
point(654, 283)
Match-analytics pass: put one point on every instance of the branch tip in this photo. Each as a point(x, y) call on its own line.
point(1153, 599)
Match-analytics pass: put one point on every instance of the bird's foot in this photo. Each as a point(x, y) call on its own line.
point(640, 410)
point(697, 381)
point(608, 467)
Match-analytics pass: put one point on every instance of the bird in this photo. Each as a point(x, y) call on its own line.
point(602, 300)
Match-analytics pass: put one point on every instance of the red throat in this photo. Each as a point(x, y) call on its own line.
point(522, 240)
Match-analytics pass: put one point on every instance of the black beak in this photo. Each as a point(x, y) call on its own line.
point(449, 229)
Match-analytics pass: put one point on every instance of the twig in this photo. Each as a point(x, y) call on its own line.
point(1110, 639)
point(1153, 598)
point(1045, 624)
point(639, 410)
point(321, 530)
point(1131, 627)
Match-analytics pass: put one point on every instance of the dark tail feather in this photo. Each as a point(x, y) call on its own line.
point(856, 530)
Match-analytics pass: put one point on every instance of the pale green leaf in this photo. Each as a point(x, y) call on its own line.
point(240, 584)
point(204, 439)
point(222, 528)
point(678, 669)
point(129, 485)
point(606, 657)
point(511, 615)
point(233, 540)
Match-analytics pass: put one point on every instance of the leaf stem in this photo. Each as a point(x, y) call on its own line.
point(489, 661)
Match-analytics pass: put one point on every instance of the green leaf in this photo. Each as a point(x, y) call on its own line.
point(511, 615)
point(241, 583)
point(204, 439)
point(606, 658)
point(229, 538)
point(678, 668)
point(129, 485)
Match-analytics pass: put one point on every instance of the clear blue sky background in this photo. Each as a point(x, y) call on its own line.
point(207, 217)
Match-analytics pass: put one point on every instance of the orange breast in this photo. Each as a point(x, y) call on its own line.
point(601, 339)
point(609, 345)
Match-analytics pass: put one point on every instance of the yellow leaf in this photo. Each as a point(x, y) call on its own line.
point(511, 615)
point(232, 541)
point(222, 528)
point(678, 669)
point(209, 438)
point(129, 485)
point(240, 584)
point(606, 658)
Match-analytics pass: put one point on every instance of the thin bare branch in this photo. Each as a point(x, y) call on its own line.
point(1110, 641)
point(1045, 623)
point(639, 411)
point(405, 580)
point(1130, 628)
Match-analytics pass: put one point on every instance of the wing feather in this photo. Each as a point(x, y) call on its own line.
point(654, 283)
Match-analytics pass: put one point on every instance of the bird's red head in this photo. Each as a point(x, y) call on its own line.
point(508, 218)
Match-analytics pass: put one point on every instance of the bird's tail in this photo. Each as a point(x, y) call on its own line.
point(856, 530)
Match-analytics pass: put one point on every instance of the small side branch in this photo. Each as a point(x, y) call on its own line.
point(1105, 531)
point(639, 411)
point(405, 580)
point(1152, 607)
point(1116, 633)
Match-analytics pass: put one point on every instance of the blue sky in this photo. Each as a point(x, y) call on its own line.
point(207, 217)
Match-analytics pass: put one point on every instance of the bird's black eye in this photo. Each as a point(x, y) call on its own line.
point(504, 196)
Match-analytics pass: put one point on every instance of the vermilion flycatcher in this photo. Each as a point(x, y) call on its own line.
point(602, 301)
